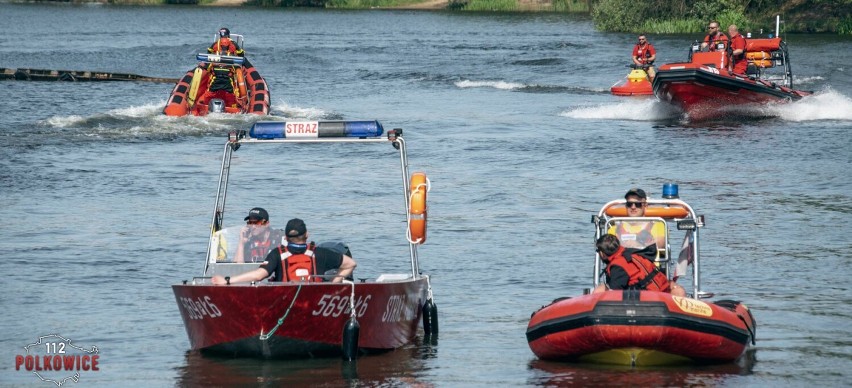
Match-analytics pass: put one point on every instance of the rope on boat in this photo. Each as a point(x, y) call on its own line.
point(264, 337)
point(351, 299)
point(428, 287)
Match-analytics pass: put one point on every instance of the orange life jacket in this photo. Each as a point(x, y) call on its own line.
point(224, 46)
point(644, 275)
point(300, 266)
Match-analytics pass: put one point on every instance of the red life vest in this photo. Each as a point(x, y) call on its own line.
point(644, 275)
point(224, 46)
point(299, 267)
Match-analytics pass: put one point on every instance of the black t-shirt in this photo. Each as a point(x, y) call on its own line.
point(326, 259)
point(617, 279)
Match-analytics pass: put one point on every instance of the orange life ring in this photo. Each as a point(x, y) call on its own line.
point(752, 55)
point(650, 211)
point(418, 186)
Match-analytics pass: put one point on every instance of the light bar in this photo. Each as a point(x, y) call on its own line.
point(224, 59)
point(314, 129)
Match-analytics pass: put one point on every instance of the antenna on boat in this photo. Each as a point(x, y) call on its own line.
point(778, 26)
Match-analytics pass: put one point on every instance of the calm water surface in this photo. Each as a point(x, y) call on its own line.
point(107, 203)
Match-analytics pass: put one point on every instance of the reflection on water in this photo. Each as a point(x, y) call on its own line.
point(564, 374)
point(400, 367)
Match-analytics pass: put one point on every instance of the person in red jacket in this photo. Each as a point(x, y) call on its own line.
point(632, 268)
point(224, 45)
point(715, 39)
point(644, 55)
point(738, 53)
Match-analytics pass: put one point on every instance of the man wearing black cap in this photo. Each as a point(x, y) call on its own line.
point(641, 233)
point(297, 260)
point(257, 238)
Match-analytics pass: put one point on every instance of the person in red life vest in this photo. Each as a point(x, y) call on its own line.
point(297, 260)
point(644, 55)
point(738, 46)
point(715, 39)
point(221, 86)
point(224, 45)
point(632, 269)
point(257, 238)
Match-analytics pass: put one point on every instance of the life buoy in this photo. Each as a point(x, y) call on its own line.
point(758, 55)
point(240, 90)
point(418, 187)
point(651, 211)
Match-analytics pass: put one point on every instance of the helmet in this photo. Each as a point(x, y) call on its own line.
point(224, 33)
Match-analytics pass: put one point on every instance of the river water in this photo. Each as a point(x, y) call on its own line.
point(106, 203)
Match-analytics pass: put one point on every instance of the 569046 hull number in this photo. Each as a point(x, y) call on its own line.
point(200, 307)
point(336, 305)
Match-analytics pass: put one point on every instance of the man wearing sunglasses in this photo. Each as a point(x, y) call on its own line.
point(257, 238)
point(638, 234)
point(644, 55)
point(715, 40)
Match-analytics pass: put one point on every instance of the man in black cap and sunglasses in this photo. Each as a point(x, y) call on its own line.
point(639, 234)
point(257, 238)
point(297, 260)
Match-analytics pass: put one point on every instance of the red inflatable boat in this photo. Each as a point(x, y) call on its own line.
point(636, 84)
point(639, 327)
point(704, 87)
point(189, 96)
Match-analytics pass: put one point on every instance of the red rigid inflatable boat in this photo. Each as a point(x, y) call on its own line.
point(645, 328)
point(704, 88)
point(636, 84)
point(250, 89)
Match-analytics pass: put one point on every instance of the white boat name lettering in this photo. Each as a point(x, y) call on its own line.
point(336, 305)
point(200, 307)
point(301, 129)
point(398, 309)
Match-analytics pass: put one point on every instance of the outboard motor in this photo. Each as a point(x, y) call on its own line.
point(216, 105)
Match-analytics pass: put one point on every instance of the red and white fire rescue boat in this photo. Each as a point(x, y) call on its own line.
point(644, 328)
point(306, 319)
point(704, 87)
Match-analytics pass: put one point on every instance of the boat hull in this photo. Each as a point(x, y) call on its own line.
point(640, 328)
point(636, 84)
point(704, 92)
point(231, 319)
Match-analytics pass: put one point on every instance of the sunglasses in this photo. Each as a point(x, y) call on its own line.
point(634, 204)
point(254, 222)
point(712, 28)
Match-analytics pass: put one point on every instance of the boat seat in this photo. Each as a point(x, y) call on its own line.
point(639, 232)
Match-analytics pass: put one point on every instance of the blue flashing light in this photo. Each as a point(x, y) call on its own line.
point(315, 129)
point(670, 191)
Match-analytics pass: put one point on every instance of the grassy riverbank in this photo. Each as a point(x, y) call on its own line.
point(644, 16)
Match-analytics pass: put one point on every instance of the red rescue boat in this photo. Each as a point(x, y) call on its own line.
point(251, 92)
point(645, 328)
point(305, 319)
point(636, 84)
point(705, 88)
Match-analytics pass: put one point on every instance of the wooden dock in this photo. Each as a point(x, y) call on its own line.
point(74, 76)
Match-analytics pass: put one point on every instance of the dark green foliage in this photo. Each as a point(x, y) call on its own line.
point(688, 15)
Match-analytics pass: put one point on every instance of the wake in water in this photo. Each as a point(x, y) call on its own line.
point(823, 105)
point(636, 109)
point(148, 121)
point(527, 88)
